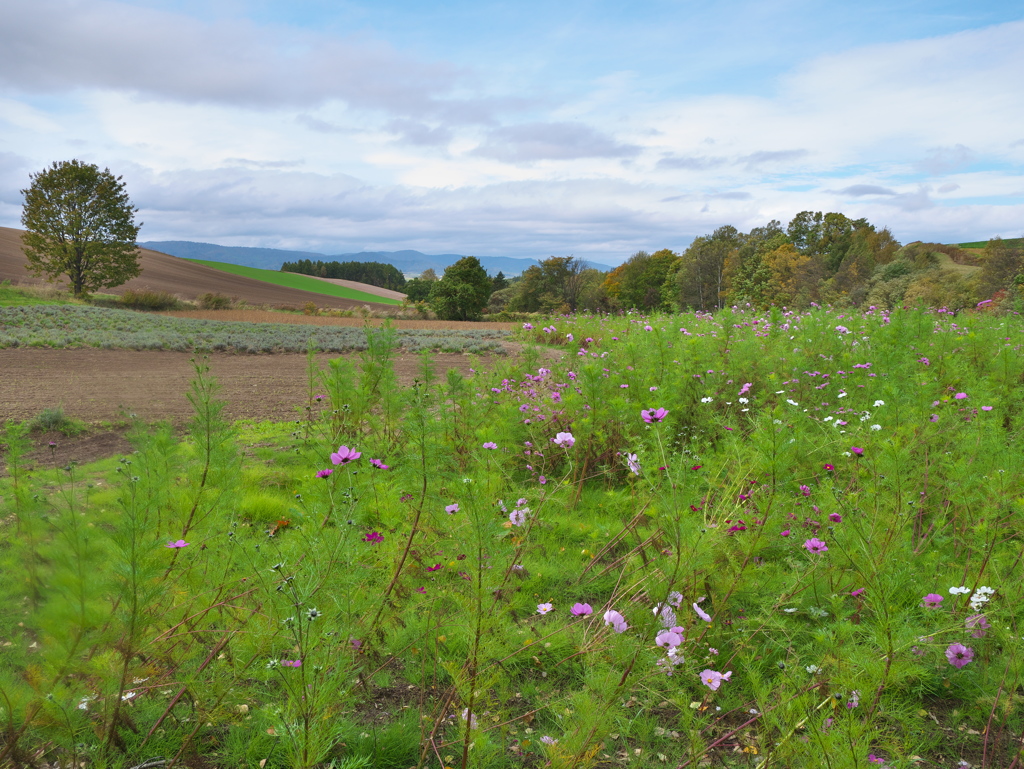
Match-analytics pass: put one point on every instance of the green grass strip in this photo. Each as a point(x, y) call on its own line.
point(1011, 242)
point(294, 280)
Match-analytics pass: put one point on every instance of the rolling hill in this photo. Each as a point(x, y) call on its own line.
point(187, 280)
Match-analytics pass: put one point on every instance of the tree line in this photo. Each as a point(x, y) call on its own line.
point(372, 273)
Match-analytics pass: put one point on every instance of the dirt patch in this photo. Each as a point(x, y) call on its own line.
point(268, 316)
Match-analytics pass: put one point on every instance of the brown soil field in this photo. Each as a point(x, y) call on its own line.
point(268, 316)
point(161, 272)
point(106, 386)
point(377, 291)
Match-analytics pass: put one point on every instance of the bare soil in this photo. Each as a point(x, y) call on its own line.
point(104, 387)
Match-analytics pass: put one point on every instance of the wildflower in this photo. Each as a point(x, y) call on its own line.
point(548, 740)
point(713, 679)
point(745, 389)
point(933, 418)
point(176, 544)
point(835, 517)
point(792, 402)
point(517, 517)
point(490, 445)
point(314, 613)
point(435, 567)
point(344, 455)
point(829, 468)
point(653, 416)
point(634, 466)
point(422, 590)
point(805, 490)
point(379, 464)
point(873, 759)
point(616, 620)
point(785, 533)
point(962, 590)
point(292, 663)
point(581, 609)
point(705, 399)
point(854, 700)
point(876, 428)
point(858, 592)
point(857, 450)
point(932, 601)
point(374, 537)
point(670, 637)
point(452, 508)
point(565, 440)
point(879, 403)
point(981, 597)
point(815, 545)
point(812, 669)
point(959, 655)
point(978, 623)
point(701, 613)
point(324, 473)
point(544, 608)
point(960, 396)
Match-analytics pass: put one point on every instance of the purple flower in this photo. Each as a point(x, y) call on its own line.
point(986, 408)
point(932, 601)
point(713, 679)
point(701, 613)
point(374, 537)
point(344, 455)
point(547, 740)
point(652, 416)
point(544, 608)
point(379, 464)
point(490, 445)
point(857, 450)
point(324, 473)
point(959, 655)
point(581, 609)
point(960, 396)
point(634, 466)
point(517, 517)
point(785, 533)
point(176, 544)
point(670, 637)
point(452, 508)
point(805, 490)
point(978, 623)
point(435, 567)
point(565, 440)
point(616, 620)
point(829, 468)
point(858, 592)
point(933, 418)
point(292, 663)
point(835, 517)
point(815, 545)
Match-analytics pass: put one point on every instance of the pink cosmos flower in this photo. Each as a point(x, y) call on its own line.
point(379, 464)
point(835, 517)
point(176, 544)
point(805, 490)
point(701, 613)
point(959, 655)
point(374, 537)
point(713, 679)
point(986, 408)
point(344, 455)
point(452, 509)
point(857, 450)
point(634, 465)
point(324, 473)
point(565, 440)
point(581, 609)
point(671, 637)
point(815, 545)
point(652, 416)
point(978, 623)
point(932, 601)
point(517, 517)
point(490, 445)
point(960, 396)
point(544, 608)
point(292, 663)
point(829, 468)
point(785, 533)
point(435, 567)
point(858, 592)
point(616, 620)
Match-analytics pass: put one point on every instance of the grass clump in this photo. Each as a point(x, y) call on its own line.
point(55, 420)
point(146, 299)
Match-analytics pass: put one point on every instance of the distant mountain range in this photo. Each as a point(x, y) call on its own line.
point(409, 262)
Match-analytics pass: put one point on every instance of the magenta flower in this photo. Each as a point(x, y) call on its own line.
point(565, 440)
point(986, 408)
point(616, 620)
point(960, 396)
point(785, 533)
point(422, 590)
point(701, 613)
point(324, 473)
point(829, 468)
point(452, 509)
point(344, 455)
point(581, 609)
point(374, 537)
point(815, 545)
point(857, 450)
point(959, 655)
point(176, 544)
point(435, 567)
point(835, 517)
point(379, 464)
point(858, 592)
point(932, 601)
point(490, 445)
point(634, 465)
point(713, 679)
point(653, 416)
point(933, 418)
point(805, 490)
point(292, 663)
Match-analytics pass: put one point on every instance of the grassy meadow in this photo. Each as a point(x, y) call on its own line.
point(742, 540)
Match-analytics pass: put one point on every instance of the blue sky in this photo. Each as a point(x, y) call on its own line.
point(521, 128)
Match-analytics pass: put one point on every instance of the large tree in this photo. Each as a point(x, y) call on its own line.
point(462, 292)
point(80, 222)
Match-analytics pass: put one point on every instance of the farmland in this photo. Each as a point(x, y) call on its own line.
point(727, 540)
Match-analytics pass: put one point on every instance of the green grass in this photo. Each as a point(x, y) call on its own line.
point(20, 297)
point(301, 282)
point(1013, 242)
point(946, 263)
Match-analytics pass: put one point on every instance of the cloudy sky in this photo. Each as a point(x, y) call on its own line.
point(586, 127)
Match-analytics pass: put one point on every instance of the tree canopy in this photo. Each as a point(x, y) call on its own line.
point(462, 292)
point(80, 223)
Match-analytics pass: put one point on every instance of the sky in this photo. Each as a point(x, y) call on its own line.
point(591, 128)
